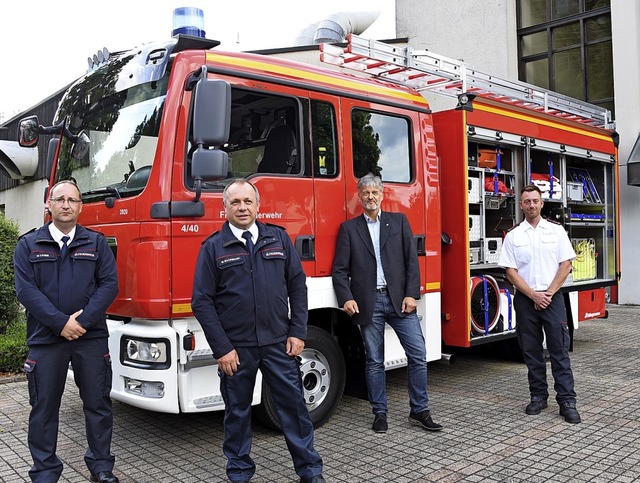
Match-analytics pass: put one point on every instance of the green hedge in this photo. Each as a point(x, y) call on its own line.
point(13, 346)
point(13, 327)
point(9, 307)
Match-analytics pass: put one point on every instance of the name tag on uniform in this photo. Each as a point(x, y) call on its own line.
point(80, 254)
point(271, 253)
point(43, 256)
point(231, 260)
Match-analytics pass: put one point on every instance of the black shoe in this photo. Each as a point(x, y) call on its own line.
point(104, 477)
point(424, 419)
point(569, 412)
point(380, 423)
point(536, 405)
point(315, 479)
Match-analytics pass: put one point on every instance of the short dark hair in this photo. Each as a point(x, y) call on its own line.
point(529, 188)
point(65, 181)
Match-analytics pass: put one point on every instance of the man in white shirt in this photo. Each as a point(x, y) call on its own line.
point(537, 257)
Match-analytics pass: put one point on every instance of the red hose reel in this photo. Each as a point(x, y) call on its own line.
point(485, 303)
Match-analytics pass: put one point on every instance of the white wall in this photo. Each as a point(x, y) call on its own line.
point(625, 25)
point(24, 204)
point(481, 33)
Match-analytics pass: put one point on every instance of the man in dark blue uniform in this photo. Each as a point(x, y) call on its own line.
point(66, 279)
point(247, 276)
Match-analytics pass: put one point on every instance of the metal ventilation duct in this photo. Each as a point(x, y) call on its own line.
point(336, 27)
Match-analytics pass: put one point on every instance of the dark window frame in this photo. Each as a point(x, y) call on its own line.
point(547, 27)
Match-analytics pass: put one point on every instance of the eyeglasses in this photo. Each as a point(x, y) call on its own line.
point(61, 201)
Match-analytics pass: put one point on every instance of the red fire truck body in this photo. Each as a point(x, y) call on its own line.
point(132, 131)
point(492, 124)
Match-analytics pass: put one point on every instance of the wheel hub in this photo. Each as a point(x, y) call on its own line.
point(316, 377)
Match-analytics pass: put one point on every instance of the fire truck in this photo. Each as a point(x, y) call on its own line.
point(153, 135)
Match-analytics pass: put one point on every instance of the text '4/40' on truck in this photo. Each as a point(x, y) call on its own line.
point(153, 135)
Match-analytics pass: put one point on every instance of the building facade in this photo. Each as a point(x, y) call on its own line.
point(583, 48)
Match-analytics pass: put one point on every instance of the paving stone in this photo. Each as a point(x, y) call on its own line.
point(480, 400)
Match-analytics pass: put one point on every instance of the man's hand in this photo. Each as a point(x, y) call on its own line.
point(408, 305)
point(229, 363)
point(73, 330)
point(351, 307)
point(294, 346)
point(541, 300)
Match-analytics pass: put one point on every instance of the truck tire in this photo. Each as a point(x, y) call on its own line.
point(323, 374)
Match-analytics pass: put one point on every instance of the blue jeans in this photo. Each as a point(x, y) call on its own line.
point(412, 339)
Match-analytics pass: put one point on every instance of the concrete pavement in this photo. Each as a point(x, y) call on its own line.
point(480, 400)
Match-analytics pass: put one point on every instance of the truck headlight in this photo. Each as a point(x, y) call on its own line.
point(146, 353)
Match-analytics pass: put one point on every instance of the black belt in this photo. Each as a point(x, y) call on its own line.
point(382, 290)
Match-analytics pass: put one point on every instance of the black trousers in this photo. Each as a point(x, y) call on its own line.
point(532, 327)
point(46, 367)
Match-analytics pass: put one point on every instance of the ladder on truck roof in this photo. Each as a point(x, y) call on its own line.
point(425, 71)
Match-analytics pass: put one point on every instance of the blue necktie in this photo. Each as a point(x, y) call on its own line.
point(247, 236)
point(63, 248)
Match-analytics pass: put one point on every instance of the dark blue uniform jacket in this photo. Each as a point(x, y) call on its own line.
point(233, 314)
point(52, 289)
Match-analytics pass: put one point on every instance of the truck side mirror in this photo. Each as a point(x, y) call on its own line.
point(211, 125)
point(29, 132)
point(209, 164)
point(81, 146)
point(211, 112)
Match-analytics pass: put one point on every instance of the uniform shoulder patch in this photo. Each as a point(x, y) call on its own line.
point(514, 226)
point(26, 233)
point(555, 222)
point(210, 236)
point(95, 232)
point(276, 226)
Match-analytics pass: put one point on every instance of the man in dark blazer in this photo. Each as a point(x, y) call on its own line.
point(377, 281)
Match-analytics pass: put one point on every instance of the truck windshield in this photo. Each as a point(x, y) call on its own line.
point(122, 129)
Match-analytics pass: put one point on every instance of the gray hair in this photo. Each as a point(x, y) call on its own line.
point(239, 181)
point(370, 179)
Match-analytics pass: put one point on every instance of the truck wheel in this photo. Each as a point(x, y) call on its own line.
point(323, 374)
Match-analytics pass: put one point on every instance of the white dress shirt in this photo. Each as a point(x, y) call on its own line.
point(536, 252)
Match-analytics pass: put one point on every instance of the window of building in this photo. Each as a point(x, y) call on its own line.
point(565, 46)
point(381, 145)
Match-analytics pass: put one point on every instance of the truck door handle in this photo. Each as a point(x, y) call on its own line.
point(420, 245)
point(305, 246)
